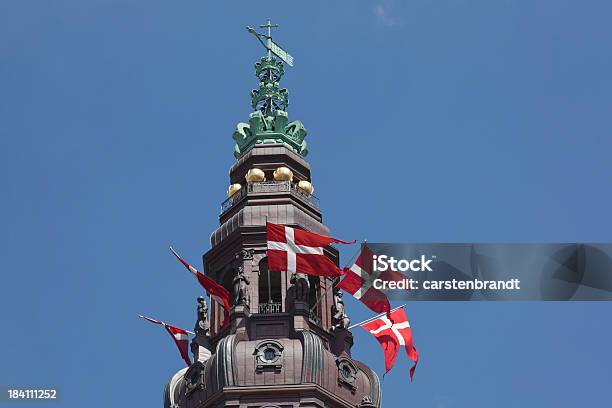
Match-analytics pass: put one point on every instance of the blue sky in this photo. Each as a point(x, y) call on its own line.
point(429, 121)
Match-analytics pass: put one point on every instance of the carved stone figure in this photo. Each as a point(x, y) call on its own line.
point(366, 402)
point(200, 344)
point(202, 326)
point(302, 286)
point(340, 319)
point(245, 254)
point(241, 287)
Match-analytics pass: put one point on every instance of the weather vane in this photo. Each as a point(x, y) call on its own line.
point(270, 45)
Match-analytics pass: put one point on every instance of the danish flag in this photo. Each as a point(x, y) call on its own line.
point(359, 281)
point(298, 251)
point(216, 291)
point(393, 332)
point(180, 337)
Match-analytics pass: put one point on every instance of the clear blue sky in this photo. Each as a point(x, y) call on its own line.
point(445, 121)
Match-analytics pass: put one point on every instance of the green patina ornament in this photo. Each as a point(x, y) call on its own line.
point(269, 123)
point(275, 128)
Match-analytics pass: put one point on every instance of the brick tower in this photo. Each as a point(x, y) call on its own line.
point(282, 345)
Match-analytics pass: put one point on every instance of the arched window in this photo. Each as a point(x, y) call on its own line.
point(226, 276)
point(269, 289)
point(313, 298)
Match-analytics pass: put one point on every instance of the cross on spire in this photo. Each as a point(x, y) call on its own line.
point(269, 26)
point(271, 46)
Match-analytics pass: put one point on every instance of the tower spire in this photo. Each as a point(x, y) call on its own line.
point(282, 338)
point(269, 123)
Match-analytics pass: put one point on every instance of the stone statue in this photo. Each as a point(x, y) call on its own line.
point(366, 402)
point(340, 319)
point(200, 344)
point(241, 287)
point(302, 286)
point(202, 326)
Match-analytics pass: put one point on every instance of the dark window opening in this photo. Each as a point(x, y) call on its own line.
point(228, 277)
point(269, 289)
point(314, 302)
point(269, 354)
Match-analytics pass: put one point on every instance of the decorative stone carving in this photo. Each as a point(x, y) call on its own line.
point(270, 187)
point(347, 373)
point(201, 345)
point(340, 319)
point(241, 282)
point(202, 326)
point(366, 402)
point(194, 378)
point(268, 355)
point(247, 254)
point(301, 285)
point(241, 288)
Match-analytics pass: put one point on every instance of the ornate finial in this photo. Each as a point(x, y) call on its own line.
point(271, 46)
point(269, 122)
point(269, 97)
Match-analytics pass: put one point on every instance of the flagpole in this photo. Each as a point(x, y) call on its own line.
point(375, 317)
point(337, 278)
point(164, 324)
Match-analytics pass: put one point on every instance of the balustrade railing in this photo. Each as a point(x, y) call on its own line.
point(311, 198)
point(270, 307)
point(227, 204)
point(269, 187)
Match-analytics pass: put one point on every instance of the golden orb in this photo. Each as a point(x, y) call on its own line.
point(255, 175)
point(306, 187)
point(233, 189)
point(283, 174)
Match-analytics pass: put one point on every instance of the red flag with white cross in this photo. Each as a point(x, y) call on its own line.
point(298, 251)
point(392, 333)
point(359, 281)
point(180, 337)
point(214, 289)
